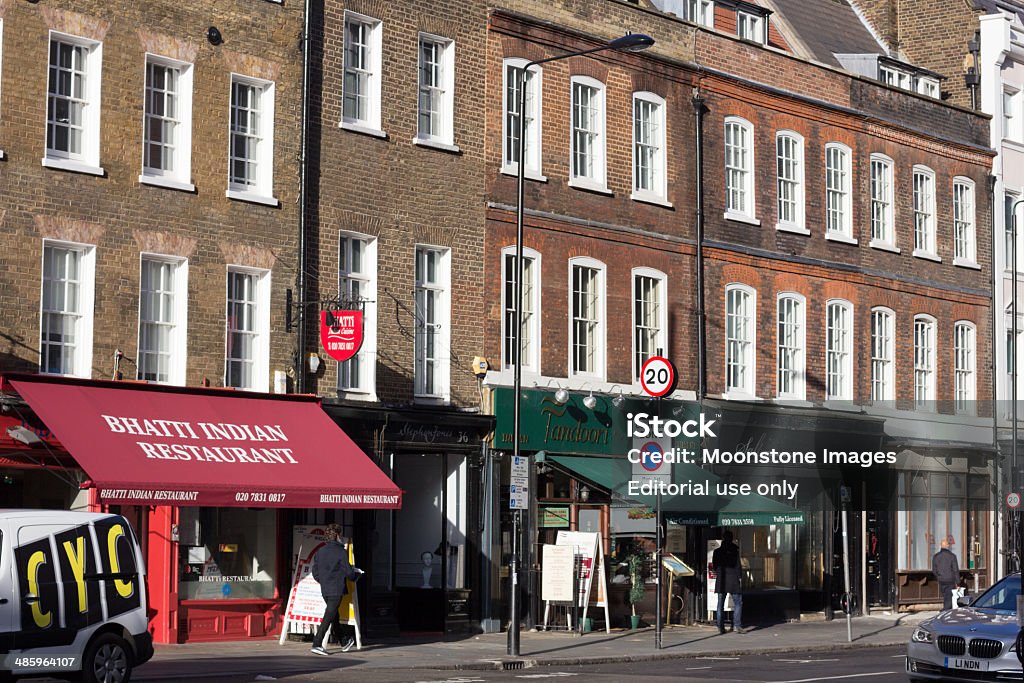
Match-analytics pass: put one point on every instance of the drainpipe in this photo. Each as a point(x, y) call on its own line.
point(301, 285)
point(698, 112)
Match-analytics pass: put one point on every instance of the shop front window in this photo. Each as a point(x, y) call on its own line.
point(766, 556)
point(227, 553)
point(938, 505)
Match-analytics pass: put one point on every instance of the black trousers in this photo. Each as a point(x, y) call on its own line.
point(947, 594)
point(330, 618)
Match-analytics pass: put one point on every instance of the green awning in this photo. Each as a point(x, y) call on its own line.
point(614, 474)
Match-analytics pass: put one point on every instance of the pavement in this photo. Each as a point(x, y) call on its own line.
point(267, 660)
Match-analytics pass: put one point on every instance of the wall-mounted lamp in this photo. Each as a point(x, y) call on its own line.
point(561, 396)
point(619, 398)
point(24, 435)
point(584, 493)
point(314, 363)
point(213, 35)
point(589, 401)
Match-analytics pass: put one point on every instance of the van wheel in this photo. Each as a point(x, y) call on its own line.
point(108, 659)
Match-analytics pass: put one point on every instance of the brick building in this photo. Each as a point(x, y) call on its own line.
point(150, 226)
point(395, 218)
point(846, 263)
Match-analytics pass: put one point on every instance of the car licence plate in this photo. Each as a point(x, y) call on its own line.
point(966, 663)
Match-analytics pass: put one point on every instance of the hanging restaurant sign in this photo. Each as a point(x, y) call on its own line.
point(341, 333)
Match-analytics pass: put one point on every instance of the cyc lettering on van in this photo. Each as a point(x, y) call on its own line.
point(118, 557)
point(42, 619)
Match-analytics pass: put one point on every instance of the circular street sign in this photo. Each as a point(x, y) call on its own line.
point(657, 376)
point(1013, 499)
point(647, 453)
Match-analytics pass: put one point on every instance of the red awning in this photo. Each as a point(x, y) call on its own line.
point(159, 445)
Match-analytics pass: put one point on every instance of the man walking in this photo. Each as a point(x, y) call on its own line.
point(947, 572)
point(333, 572)
point(725, 562)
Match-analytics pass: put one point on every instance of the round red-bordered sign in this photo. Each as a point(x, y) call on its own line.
point(1012, 500)
point(658, 376)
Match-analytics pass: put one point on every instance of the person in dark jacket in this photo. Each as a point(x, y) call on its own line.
point(947, 572)
point(332, 571)
point(725, 562)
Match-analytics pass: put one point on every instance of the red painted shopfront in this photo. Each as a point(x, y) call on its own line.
point(210, 479)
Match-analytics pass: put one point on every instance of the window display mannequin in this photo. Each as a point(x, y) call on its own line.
point(428, 567)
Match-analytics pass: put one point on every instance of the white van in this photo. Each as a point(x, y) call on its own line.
point(72, 596)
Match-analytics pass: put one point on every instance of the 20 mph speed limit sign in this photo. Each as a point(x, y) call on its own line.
point(657, 376)
point(1012, 500)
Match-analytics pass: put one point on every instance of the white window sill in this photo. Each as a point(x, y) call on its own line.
point(427, 399)
point(841, 404)
point(363, 129)
point(840, 237)
point(927, 255)
point(168, 183)
point(648, 198)
point(787, 227)
point(740, 396)
point(252, 197)
point(884, 246)
point(437, 144)
point(741, 218)
point(585, 378)
point(529, 173)
point(796, 401)
point(589, 186)
point(73, 166)
point(1013, 144)
point(354, 395)
point(965, 263)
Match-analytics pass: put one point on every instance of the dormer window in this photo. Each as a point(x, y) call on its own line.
point(928, 86)
point(751, 20)
point(750, 26)
point(894, 77)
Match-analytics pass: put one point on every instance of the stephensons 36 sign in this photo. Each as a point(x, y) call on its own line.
point(342, 340)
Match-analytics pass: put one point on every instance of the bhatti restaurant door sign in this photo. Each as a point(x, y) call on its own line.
point(341, 333)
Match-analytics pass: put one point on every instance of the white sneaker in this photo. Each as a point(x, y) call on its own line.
point(349, 644)
point(319, 650)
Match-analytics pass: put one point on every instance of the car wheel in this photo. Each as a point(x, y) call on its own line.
point(108, 659)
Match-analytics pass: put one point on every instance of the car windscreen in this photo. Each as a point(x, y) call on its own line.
point(1002, 596)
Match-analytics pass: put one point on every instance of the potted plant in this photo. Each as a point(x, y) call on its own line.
point(635, 562)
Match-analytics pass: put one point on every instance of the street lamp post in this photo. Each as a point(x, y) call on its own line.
point(1013, 384)
point(634, 42)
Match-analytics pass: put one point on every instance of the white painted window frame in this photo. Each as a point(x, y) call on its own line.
point(799, 392)
point(601, 333)
point(924, 207)
point(661, 341)
point(964, 223)
point(371, 124)
point(598, 180)
point(534, 124)
point(443, 309)
point(444, 137)
point(928, 366)
point(797, 223)
point(845, 367)
point(263, 191)
point(261, 345)
point(887, 381)
point(82, 355)
point(700, 12)
point(180, 178)
point(747, 185)
point(178, 349)
point(532, 358)
point(88, 160)
point(752, 27)
point(749, 358)
point(658, 193)
point(844, 192)
point(367, 354)
point(965, 392)
point(885, 202)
